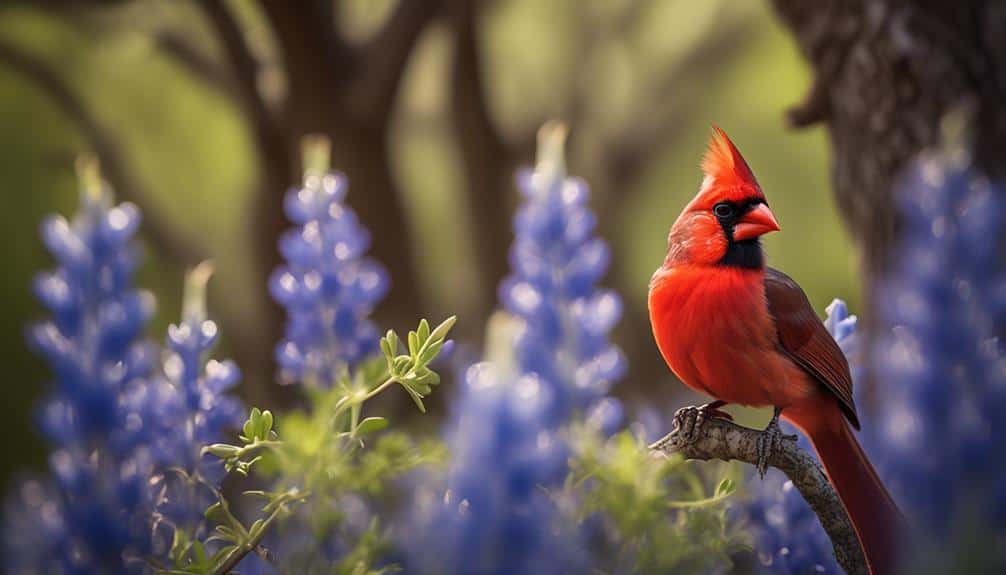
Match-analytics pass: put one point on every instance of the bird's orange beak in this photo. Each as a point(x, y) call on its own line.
point(755, 223)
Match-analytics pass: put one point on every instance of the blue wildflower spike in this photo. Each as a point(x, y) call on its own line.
point(938, 417)
point(496, 516)
point(551, 358)
point(556, 262)
point(94, 514)
point(327, 286)
point(193, 408)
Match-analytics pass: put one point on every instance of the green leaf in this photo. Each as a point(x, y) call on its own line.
point(370, 425)
point(200, 552)
point(385, 348)
point(213, 512)
point(390, 345)
point(256, 528)
point(265, 425)
point(413, 343)
point(416, 397)
point(725, 487)
point(248, 430)
point(430, 351)
point(221, 450)
point(403, 364)
point(423, 333)
point(180, 544)
point(419, 387)
point(440, 332)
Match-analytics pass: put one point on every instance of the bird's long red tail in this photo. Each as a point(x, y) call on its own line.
point(876, 518)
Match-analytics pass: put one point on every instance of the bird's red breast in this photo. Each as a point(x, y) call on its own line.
point(715, 333)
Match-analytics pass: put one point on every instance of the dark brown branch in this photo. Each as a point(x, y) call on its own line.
point(277, 169)
point(196, 63)
point(487, 164)
point(327, 95)
point(383, 60)
point(167, 238)
point(317, 67)
point(721, 439)
point(242, 63)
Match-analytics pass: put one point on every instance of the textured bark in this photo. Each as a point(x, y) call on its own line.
point(488, 161)
point(721, 439)
point(885, 74)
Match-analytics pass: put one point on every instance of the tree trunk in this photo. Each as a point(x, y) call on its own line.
point(885, 74)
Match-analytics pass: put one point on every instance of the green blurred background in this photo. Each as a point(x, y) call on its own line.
point(639, 82)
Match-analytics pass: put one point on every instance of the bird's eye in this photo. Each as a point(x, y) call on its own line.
point(723, 210)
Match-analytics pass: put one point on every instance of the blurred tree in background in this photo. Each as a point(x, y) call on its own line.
point(196, 110)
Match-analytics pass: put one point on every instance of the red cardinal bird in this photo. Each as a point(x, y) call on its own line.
point(732, 328)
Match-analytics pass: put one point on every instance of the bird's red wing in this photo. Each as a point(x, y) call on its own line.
point(803, 337)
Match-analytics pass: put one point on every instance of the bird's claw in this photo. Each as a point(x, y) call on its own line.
point(690, 420)
point(769, 441)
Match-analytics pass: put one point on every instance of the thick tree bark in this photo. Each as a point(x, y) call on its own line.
point(885, 74)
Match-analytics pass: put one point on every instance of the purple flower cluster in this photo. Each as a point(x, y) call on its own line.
point(556, 263)
point(500, 514)
point(189, 400)
point(115, 426)
point(94, 513)
point(497, 516)
point(941, 367)
point(327, 287)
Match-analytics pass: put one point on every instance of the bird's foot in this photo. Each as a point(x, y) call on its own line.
point(769, 441)
point(690, 420)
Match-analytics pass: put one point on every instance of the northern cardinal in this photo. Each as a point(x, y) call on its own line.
point(741, 332)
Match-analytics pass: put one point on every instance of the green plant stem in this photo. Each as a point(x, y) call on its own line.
point(245, 548)
point(252, 448)
point(356, 406)
point(252, 543)
point(354, 418)
point(387, 383)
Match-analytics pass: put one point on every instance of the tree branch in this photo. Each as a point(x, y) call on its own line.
point(167, 238)
point(274, 143)
point(196, 63)
point(242, 63)
point(721, 439)
point(487, 160)
point(383, 60)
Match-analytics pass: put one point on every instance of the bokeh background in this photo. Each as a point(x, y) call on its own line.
point(195, 109)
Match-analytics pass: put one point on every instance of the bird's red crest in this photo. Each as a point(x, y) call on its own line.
point(724, 166)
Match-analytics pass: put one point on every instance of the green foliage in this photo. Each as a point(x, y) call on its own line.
point(659, 514)
point(322, 456)
point(412, 371)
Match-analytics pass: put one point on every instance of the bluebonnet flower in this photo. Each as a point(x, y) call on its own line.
point(192, 410)
point(117, 429)
point(327, 286)
point(789, 538)
point(940, 364)
point(557, 261)
point(95, 514)
point(501, 512)
point(497, 516)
